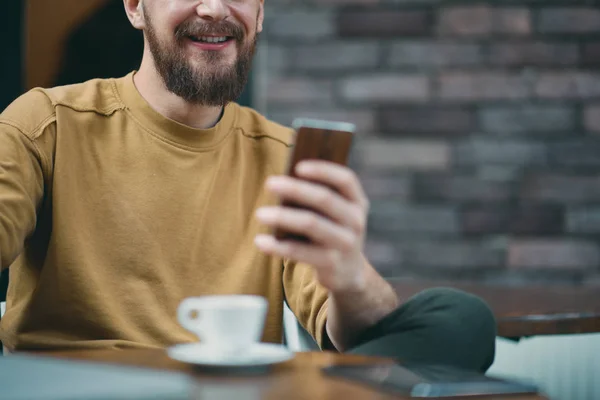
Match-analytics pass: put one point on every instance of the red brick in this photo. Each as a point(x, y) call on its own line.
point(379, 185)
point(566, 189)
point(405, 154)
point(584, 220)
point(273, 58)
point(528, 119)
point(482, 20)
point(474, 86)
point(431, 120)
point(577, 153)
point(592, 118)
point(385, 88)
point(480, 153)
point(390, 217)
point(421, 53)
point(455, 255)
point(299, 90)
point(300, 24)
point(568, 85)
point(593, 281)
point(569, 20)
point(384, 255)
point(383, 23)
point(543, 219)
point(553, 254)
point(454, 188)
point(591, 54)
point(534, 54)
point(336, 56)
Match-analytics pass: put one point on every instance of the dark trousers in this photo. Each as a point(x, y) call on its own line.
point(436, 326)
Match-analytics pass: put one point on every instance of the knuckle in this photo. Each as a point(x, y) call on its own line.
point(325, 197)
point(279, 215)
point(331, 260)
point(359, 219)
point(287, 248)
point(349, 179)
point(361, 224)
point(349, 241)
point(310, 222)
point(337, 258)
point(295, 190)
point(366, 204)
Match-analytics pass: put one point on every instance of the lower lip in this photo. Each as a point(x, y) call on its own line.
point(211, 46)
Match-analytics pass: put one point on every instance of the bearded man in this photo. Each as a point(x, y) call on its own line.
point(121, 197)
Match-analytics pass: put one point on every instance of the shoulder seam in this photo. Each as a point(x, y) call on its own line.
point(45, 164)
point(32, 134)
point(115, 105)
point(105, 111)
point(115, 90)
point(260, 135)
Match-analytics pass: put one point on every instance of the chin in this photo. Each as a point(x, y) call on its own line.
point(202, 67)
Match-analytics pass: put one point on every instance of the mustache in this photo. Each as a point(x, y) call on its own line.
point(196, 28)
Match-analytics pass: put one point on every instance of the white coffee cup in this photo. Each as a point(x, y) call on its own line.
point(227, 323)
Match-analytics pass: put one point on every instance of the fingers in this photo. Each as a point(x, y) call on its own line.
point(332, 215)
point(318, 229)
point(319, 198)
point(321, 258)
point(339, 177)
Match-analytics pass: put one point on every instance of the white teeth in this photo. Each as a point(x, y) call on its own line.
point(211, 39)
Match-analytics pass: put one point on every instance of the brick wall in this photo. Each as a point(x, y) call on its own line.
point(479, 127)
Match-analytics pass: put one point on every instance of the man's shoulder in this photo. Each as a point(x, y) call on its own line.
point(37, 108)
point(257, 126)
point(29, 113)
point(96, 95)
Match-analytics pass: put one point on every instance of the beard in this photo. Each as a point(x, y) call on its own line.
point(213, 85)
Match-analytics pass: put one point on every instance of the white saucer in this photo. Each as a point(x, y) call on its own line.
point(258, 355)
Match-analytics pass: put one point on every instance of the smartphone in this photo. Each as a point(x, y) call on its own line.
point(429, 381)
point(316, 140)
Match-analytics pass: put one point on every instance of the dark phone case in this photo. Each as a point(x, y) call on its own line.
point(322, 140)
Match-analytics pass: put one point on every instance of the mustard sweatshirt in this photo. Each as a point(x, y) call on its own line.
point(111, 214)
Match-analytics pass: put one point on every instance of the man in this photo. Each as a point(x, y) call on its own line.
point(119, 198)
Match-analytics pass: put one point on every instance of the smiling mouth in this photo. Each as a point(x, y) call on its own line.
point(210, 39)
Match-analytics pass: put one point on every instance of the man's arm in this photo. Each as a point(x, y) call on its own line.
point(334, 219)
point(351, 312)
point(21, 190)
point(27, 142)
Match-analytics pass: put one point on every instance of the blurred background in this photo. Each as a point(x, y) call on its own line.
point(478, 124)
point(478, 121)
point(479, 127)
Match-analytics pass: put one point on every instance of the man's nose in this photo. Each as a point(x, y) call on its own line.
point(213, 10)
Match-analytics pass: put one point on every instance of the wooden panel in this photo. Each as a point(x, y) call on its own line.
point(527, 310)
point(48, 24)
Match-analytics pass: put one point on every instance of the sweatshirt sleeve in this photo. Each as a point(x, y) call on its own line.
point(21, 175)
point(306, 298)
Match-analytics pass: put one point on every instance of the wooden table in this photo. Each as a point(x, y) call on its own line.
point(527, 311)
point(296, 379)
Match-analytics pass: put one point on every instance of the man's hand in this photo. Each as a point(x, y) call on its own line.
point(336, 227)
point(335, 222)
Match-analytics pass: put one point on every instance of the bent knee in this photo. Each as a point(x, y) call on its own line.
point(464, 308)
point(464, 317)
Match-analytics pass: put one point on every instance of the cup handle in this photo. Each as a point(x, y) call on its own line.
point(184, 311)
